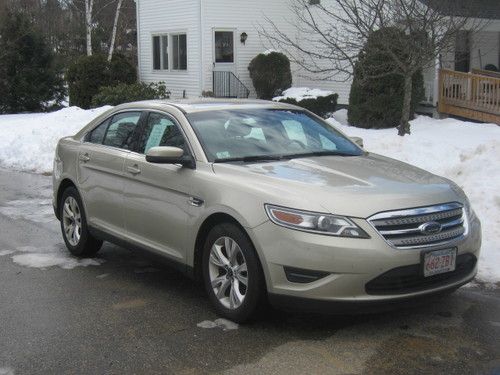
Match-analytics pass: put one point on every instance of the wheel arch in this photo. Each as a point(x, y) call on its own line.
point(64, 184)
point(210, 222)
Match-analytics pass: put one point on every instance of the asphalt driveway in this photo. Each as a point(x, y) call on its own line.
point(127, 313)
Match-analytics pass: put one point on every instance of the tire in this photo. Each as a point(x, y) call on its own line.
point(229, 273)
point(83, 245)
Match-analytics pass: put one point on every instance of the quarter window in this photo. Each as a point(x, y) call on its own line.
point(160, 130)
point(120, 132)
point(97, 135)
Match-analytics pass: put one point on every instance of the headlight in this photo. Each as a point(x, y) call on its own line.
point(315, 222)
point(469, 216)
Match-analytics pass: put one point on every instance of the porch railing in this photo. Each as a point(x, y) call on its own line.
point(469, 95)
point(227, 85)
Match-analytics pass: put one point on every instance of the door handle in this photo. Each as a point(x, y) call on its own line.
point(84, 157)
point(133, 169)
point(196, 202)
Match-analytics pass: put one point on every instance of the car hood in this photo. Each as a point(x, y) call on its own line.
point(358, 186)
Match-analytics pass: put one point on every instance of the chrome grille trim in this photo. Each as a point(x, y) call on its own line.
point(418, 218)
point(402, 228)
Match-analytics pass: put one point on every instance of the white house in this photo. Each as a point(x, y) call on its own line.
point(206, 45)
point(185, 43)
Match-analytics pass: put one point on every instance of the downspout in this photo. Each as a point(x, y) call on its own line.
point(201, 78)
point(436, 88)
point(139, 49)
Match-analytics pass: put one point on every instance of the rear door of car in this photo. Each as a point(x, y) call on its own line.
point(158, 197)
point(101, 161)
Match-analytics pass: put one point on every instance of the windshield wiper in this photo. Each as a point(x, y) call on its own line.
point(317, 153)
point(247, 159)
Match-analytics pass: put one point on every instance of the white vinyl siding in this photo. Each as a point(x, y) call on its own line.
point(172, 17)
point(248, 16)
point(159, 17)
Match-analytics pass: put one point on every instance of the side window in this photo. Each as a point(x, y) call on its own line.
point(121, 130)
point(97, 135)
point(160, 130)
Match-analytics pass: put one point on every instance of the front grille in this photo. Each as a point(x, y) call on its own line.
point(410, 279)
point(406, 229)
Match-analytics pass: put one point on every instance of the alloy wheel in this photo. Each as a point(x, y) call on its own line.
point(72, 221)
point(228, 272)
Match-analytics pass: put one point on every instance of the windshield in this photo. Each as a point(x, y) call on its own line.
point(272, 134)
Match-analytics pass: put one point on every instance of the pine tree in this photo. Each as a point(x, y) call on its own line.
point(28, 77)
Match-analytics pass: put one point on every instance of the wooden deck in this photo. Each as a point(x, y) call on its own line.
point(471, 95)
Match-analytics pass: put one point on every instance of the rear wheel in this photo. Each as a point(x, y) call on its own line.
point(74, 228)
point(232, 273)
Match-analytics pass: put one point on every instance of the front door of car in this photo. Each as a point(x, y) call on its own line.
point(157, 195)
point(101, 161)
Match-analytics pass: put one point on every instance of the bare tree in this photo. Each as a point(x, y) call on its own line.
point(89, 7)
point(330, 35)
point(115, 27)
point(91, 12)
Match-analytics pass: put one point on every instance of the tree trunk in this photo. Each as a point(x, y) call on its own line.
point(404, 125)
point(115, 27)
point(89, 4)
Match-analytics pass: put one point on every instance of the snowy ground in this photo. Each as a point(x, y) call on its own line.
point(467, 153)
point(28, 141)
point(300, 93)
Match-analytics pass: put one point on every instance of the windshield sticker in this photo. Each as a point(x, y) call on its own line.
point(223, 154)
point(156, 135)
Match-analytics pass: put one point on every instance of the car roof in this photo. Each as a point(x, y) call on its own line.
point(206, 104)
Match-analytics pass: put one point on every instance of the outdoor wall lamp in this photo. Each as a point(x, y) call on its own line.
point(243, 37)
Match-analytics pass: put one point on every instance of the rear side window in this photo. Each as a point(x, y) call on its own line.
point(121, 130)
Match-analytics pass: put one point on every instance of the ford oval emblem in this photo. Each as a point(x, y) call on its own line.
point(432, 227)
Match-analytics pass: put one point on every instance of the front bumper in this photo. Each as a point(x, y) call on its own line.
point(349, 265)
point(358, 307)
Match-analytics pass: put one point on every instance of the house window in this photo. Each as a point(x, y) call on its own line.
point(179, 51)
point(224, 49)
point(164, 52)
point(156, 53)
point(160, 52)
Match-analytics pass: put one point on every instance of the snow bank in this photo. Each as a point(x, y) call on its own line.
point(269, 51)
point(465, 152)
point(28, 141)
point(300, 93)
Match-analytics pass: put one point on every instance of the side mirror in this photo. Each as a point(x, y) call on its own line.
point(358, 141)
point(169, 155)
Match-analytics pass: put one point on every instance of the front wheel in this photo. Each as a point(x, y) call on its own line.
point(74, 228)
point(232, 273)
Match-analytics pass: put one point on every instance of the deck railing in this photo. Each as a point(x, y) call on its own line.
point(469, 95)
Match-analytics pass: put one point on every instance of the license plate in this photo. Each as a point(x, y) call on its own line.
point(439, 261)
